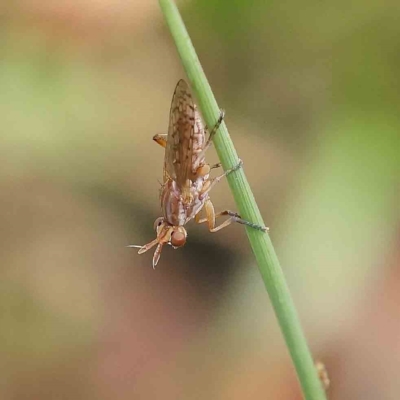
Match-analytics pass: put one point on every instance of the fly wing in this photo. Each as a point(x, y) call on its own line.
point(179, 149)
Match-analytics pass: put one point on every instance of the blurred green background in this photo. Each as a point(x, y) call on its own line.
point(311, 93)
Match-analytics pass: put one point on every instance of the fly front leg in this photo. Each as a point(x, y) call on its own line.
point(161, 139)
point(211, 217)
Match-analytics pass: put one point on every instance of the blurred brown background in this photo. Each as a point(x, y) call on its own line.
point(311, 94)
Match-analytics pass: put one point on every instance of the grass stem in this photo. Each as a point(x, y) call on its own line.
point(260, 242)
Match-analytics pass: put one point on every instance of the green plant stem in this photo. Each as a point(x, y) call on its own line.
point(261, 244)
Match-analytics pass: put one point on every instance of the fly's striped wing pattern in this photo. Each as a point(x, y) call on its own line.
point(179, 150)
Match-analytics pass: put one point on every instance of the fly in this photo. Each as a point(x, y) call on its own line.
point(186, 176)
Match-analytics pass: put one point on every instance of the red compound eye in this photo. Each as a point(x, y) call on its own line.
point(178, 239)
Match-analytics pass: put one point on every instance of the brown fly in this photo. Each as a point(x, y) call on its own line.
point(186, 178)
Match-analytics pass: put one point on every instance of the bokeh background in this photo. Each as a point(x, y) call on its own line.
point(311, 93)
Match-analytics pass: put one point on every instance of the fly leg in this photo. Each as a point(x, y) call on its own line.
point(214, 130)
point(217, 165)
point(210, 212)
point(211, 217)
point(161, 139)
point(205, 170)
point(208, 185)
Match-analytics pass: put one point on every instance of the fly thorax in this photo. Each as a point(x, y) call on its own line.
point(198, 183)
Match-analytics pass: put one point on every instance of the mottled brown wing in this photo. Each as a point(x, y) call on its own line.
point(179, 149)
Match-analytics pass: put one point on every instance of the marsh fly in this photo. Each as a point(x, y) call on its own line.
point(186, 176)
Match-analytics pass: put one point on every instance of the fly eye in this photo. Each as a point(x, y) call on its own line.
point(158, 222)
point(178, 239)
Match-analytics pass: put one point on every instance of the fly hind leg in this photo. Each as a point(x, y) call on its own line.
point(211, 217)
point(216, 126)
